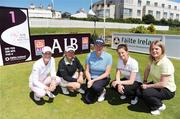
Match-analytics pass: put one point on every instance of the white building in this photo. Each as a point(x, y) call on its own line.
point(40, 12)
point(167, 9)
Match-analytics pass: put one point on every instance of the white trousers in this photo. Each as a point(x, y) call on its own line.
point(39, 92)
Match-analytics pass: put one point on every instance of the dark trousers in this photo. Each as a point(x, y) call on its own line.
point(96, 89)
point(130, 90)
point(153, 97)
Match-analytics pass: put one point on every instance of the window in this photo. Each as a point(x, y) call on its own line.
point(163, 5)
point(102, 5)
point(175, 7)
point(155, 4)
point(100, 13)
point(128, 1)
point(150, 12)
point(148, 3)
point(138, 12)
point(169, 6)
point(158, 14)
point(127, 12)
point(165, 15)
point(139, 3)
point(171, 15)
point(177, 16)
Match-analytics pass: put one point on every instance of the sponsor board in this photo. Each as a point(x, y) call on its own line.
point(58, 43)
point(14, 36)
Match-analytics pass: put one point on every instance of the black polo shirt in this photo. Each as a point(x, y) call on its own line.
point(67, 70)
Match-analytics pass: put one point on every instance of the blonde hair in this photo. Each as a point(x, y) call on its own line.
point(161, 45)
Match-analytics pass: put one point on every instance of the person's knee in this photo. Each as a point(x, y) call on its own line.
point(74, 85)
point(97, 88)
point(146, 93)
point(58, 80)
point(77, 86)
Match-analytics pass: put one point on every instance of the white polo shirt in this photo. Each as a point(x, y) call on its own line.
point(131, 66)
point(41, 71)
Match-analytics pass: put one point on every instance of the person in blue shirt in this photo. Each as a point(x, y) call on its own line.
point(97, 70)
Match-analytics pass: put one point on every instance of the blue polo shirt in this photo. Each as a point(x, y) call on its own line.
point(98, 65)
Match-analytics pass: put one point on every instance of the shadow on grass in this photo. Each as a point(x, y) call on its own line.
point(139, 107)
point(71, 94)
point(113, 98)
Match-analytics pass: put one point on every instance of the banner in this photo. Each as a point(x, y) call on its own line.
point(140, 42)
point(58, 43)
point(14, 36)
point(136, 42)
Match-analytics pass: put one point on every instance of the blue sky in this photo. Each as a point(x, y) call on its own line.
point(60, 5)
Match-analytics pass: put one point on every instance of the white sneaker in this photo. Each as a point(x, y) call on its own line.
point(134, 101)
point(162, 108)
point(81, 91)
point(122, 97)
point(155, 112)
point(64, 90)
point(50, 94)
point(102, 96)
point(37, 98)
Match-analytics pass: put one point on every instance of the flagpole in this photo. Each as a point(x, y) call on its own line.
point(104, 19)
point(52, 4)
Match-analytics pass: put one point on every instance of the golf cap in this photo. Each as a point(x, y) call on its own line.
point(46, 49)
point(99, 41)
point(70, 48)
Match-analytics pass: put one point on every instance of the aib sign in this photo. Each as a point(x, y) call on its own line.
point(14, 36)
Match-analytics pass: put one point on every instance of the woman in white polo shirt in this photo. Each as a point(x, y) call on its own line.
point(161, 71)
point(40, 82)
point(128, 67)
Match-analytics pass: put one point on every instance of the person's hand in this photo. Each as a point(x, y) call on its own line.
point(90, 83)
point(114, 83)
point(121, 89)
point(52, 86)
point(80, 80)
point(144, 86)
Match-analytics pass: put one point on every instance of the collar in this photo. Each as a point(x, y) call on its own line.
point(101, 56)
point(160, 61)
point(128, 61)
point(67, 62)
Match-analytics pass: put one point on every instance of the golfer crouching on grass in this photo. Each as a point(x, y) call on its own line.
point(39, 81)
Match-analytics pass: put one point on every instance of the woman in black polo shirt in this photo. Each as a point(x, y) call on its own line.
point(70, 71)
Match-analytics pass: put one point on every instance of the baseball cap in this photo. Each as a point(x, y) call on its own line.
point(99, 41)
point(70, 48)
point(46, 49)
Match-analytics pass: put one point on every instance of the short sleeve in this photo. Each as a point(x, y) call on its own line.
point(167, 68)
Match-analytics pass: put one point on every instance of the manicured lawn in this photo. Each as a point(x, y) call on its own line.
point(15, 102)
point(100, 32)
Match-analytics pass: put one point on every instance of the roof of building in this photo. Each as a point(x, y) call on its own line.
point(108, 2)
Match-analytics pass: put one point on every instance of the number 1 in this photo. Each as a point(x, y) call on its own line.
point(12, 16)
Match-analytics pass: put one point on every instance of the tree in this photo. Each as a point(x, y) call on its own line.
point(148, 19)
point(151, 29)
point(139, 29)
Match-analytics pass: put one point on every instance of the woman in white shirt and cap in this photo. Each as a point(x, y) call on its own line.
point(40, 82)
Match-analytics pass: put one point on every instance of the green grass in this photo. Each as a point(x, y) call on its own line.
point(34, 31)
point(15, 102)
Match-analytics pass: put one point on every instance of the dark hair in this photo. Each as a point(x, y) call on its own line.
point(124, 46)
